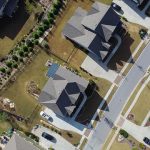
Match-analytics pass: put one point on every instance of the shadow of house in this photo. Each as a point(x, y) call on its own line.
point(89, 109)
point(123, 53)
point(10, 27)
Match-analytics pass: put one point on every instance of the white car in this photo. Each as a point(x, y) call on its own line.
point(46, 116)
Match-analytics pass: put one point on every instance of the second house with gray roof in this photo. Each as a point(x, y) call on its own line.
point(93, 29)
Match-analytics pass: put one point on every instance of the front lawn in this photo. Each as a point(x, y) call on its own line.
point(142, 107)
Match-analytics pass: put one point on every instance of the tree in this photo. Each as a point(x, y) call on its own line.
point(41, 28)
point(3, 116)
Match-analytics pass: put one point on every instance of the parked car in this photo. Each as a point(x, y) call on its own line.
point(48, 137)
point(147, 12)
point(46, 116)
point(146, 140)
point(116, 7)
point(142, 33)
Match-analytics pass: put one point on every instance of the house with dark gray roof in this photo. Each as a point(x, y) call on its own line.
point(7, 7)
point(63, 92)
point(93, 29)
point(19, 143)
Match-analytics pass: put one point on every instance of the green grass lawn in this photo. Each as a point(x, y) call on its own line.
point(142, 107)
point(24, 102)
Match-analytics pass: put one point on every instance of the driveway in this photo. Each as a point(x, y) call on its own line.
point(132, 13)
point(61, 144)
point(138, 132)
point(98, 69)
point(65, 123)
point(100, 133)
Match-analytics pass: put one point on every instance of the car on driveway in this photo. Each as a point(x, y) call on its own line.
point(116, 7)
point(46, 116)
point(48, 137)
point(146, 140)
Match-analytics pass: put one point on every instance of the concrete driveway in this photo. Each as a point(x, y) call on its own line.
point(65, 123)
point(97, 70)
point(138, 132)
point(133, 14)
point(61, 144)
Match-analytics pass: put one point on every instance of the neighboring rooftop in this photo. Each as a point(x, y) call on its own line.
point(19, 143)
point(7, 7)
point(93, 29)
point(62, 91)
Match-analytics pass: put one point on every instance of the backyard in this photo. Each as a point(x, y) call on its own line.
point(35, 71)
point(14, 29)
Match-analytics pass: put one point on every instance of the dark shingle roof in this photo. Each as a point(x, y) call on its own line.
point(92, 29)
point(62, 91)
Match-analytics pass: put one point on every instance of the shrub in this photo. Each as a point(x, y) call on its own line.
point(55, 11)
point(35, 35)
point(36, 42)
point(51, 15)
point(51, 21)
point(14, 57)
point(20, 59)
point(40, 33)
point(46, 22)
point(9, 64)
point(124, 133)
point(41, 28)
point(21, 53)
point(25, 48)
point(30, 49)
point(45, 26)
point(15, 65)
point(3, 70)
point(32, 136)
point(69, 134)
point(29, 43)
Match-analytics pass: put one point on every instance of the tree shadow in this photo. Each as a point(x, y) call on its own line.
point(10, 27)
point(122, 54)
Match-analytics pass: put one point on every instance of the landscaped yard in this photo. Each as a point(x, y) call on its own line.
point(126, 49)
point(142, 107)
point(12, 30)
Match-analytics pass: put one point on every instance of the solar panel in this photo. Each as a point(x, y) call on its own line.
point(52, 70)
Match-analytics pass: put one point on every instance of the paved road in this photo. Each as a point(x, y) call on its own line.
point(103, 128)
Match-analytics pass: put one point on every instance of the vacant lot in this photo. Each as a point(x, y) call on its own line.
point(13, 29)
point(129, 42)
point(142, 107)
